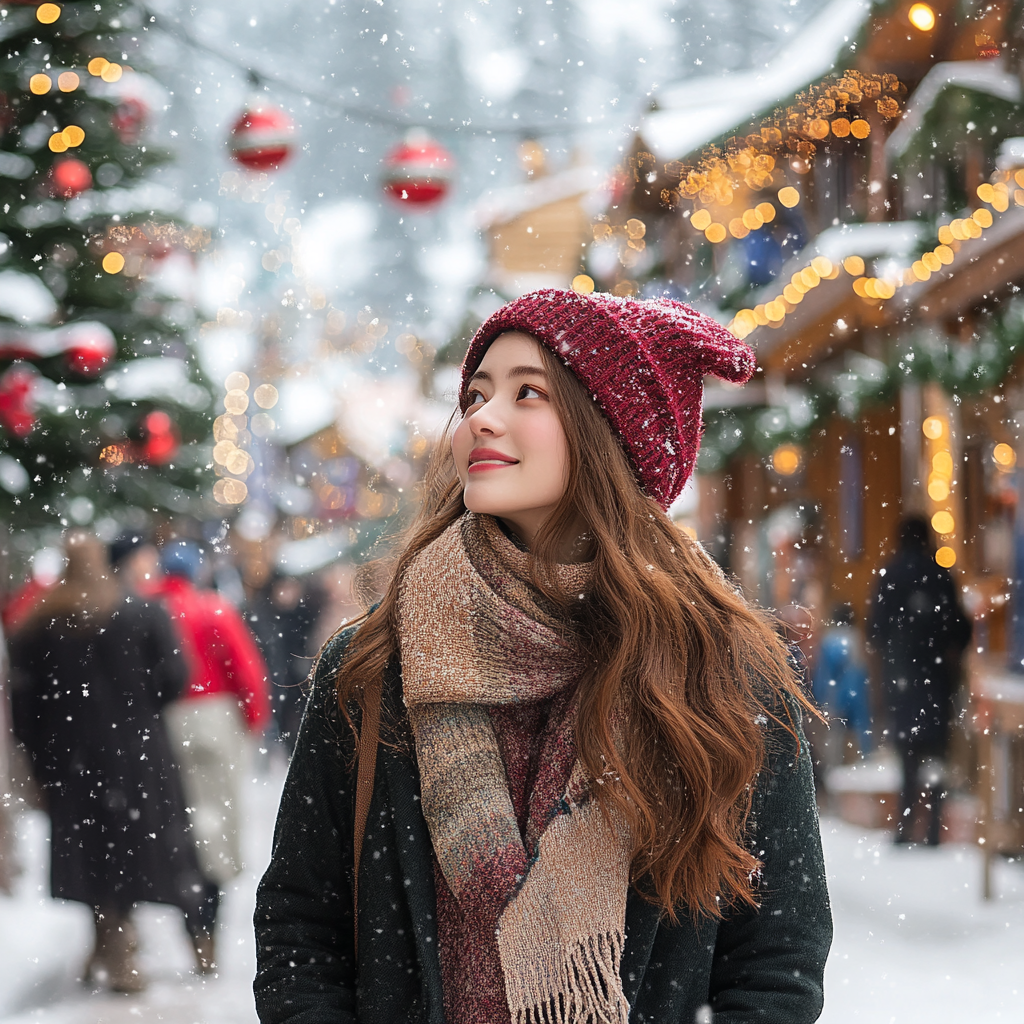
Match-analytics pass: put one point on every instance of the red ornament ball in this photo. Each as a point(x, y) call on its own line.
point(262, 138)
point(69, 178)
point(160, 442)
point(418, 171)
point(90, 347)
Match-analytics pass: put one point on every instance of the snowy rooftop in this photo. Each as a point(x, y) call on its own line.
point(700, 110)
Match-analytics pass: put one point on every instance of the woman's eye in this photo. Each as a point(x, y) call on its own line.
point(473, 398)
point(528, 391)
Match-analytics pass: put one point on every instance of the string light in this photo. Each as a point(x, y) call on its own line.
point(40, 85)
point(47, 13)
point(922, 17)
point(97, 65)
point(583, 284)
point(113, 263)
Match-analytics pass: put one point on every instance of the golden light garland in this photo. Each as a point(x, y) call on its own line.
point(872, 289)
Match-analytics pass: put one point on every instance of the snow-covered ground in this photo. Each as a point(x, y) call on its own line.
point(43, 943)
point(915, 942)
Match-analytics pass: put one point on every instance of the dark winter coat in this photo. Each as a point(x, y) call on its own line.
point(919, 629)
point(87, 705)
point(754, 966)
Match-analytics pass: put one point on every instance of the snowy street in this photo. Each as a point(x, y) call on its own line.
point(915, 943)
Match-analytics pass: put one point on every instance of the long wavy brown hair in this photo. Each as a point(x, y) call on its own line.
point(676, 658)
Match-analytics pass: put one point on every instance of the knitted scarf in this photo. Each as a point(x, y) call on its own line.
point(474, 635)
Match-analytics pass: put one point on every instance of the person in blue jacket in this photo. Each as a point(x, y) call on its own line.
point(558, 772)
point(841, 677)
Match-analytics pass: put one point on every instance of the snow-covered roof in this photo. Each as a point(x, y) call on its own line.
point(499, 206)
point(700, 110)
point(989, 76)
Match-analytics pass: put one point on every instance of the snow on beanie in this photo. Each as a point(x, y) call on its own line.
point(643, 360)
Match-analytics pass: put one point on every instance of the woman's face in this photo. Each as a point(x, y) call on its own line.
point(510, 449)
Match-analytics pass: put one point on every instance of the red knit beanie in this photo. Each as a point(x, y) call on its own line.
point(644, 362)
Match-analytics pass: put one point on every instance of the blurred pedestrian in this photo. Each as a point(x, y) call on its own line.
point(920, 630)
point(226, 694)
point(136, 561)
point(841, 678)
point(91, 672)
point(283, 614)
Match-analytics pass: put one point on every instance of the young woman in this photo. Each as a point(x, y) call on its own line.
point(591, 799)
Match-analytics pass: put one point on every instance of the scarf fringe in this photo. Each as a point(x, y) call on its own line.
point(589, 989)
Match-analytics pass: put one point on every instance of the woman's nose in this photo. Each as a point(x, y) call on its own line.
point(487, 421)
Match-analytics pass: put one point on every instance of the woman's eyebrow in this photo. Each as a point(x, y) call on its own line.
point(514, 373)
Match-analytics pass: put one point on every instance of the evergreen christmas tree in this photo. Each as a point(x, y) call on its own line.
point(101, 404)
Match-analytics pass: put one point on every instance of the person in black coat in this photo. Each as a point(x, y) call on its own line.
point(559, 771)
point(920, 630)
point(92, 670)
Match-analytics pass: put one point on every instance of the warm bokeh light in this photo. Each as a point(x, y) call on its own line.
point(946, 557)
point(860, 129)
point(237, 462)
point(265, 396)
point(68, 81)
point(841, 127)
point(789, 197)
point(701, 220)
point(635, 228)
point(982, 217)
point(945, 254)
point(236, 381)
point(942, 522)
point(933, 427)
point(221, 451)
point(986, 192)
point(822, 266)
point(57, 143)
point(236, 401)
point(921, 272)
point(737, 228)
point(111, 73)
point(97, 65)
point(766, 212)
point(945, 235)
point(228, 491)
point(792, 295)
point(854, 266)
point(1004, 456)
point(113, 263)
point(583, 284)
point(938, 489)
point(942, 463)
point(48, 13)
point(752, 219)
point(932, 262)
point(922, 17)
point(774, 311)
point(40, 85)
point(786, 459)
point(73, 135)
point(225, 429)
point(715, 233)
point(112, 455)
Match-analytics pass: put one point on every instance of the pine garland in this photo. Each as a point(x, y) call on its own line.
point(961, 369)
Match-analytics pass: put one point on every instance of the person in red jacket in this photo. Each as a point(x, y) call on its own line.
point(227, 694)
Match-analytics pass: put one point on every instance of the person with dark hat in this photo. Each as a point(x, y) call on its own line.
point(92, 670)
point(919, 628)
point(558, 772)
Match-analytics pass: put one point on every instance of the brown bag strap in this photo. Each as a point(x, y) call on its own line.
point(369, 737)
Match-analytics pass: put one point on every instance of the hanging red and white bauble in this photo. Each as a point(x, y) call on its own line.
point(418, 172)
point(129, 119)
point(89, 347)
point(69, 178)
point(262, 139)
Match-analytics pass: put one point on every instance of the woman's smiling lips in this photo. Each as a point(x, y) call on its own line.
point(487, 458)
